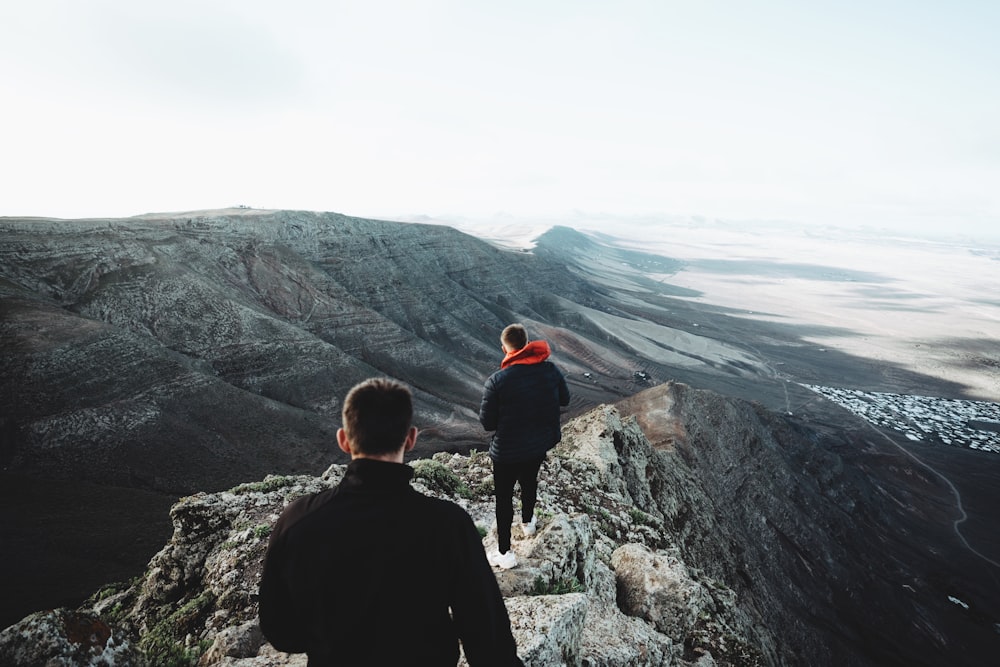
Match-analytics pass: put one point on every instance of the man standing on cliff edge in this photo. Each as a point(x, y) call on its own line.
point(373, 572)
point(521, 405)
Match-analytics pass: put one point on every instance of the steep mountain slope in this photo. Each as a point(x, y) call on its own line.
point(840, 538)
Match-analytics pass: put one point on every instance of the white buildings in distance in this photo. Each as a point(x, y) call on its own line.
point(948, 421)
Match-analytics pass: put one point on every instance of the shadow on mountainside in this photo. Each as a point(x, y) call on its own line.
point(64, 539)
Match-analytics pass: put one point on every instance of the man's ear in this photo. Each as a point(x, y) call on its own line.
point(342, 442)
point(411, 439)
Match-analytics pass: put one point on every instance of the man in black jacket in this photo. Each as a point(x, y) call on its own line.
point(372, 572)
point(521, 405)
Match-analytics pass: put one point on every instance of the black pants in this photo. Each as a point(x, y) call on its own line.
point(504, 476)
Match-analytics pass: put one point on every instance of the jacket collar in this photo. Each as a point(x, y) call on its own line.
point(375, 475)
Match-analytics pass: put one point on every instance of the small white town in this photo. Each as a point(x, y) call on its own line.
point(948, 421)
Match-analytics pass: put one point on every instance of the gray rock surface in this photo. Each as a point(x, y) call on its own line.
point(548, 628)
point(65, 638)
point(659, 589)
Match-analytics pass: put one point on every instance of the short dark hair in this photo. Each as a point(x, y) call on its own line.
point(514, 336)
point(377, 415)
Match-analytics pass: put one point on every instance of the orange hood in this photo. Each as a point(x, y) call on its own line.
point(535, 352)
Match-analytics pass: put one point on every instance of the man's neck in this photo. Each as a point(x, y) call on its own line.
point(392, 457)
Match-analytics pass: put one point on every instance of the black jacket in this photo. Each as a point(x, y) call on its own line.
point(365, 574)
point(521, 404)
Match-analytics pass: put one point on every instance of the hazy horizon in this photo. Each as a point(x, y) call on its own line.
point(854, 115)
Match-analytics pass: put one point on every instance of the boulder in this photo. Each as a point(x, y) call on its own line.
point(658, 588)
point(548, 629)
point(63, 637)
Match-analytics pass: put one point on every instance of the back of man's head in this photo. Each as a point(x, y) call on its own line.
point(377, 415)
point(515, 336)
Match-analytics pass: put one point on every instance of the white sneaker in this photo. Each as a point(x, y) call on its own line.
point(530, 528)
point(504, 561)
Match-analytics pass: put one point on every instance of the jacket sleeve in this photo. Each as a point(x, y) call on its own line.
point(489, 409)
point(563, 389)
point(478, 608)
point(279, 620)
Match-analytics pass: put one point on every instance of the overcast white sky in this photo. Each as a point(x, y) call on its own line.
point(853, 112)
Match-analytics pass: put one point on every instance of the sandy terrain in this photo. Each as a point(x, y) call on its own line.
point(929, 306)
